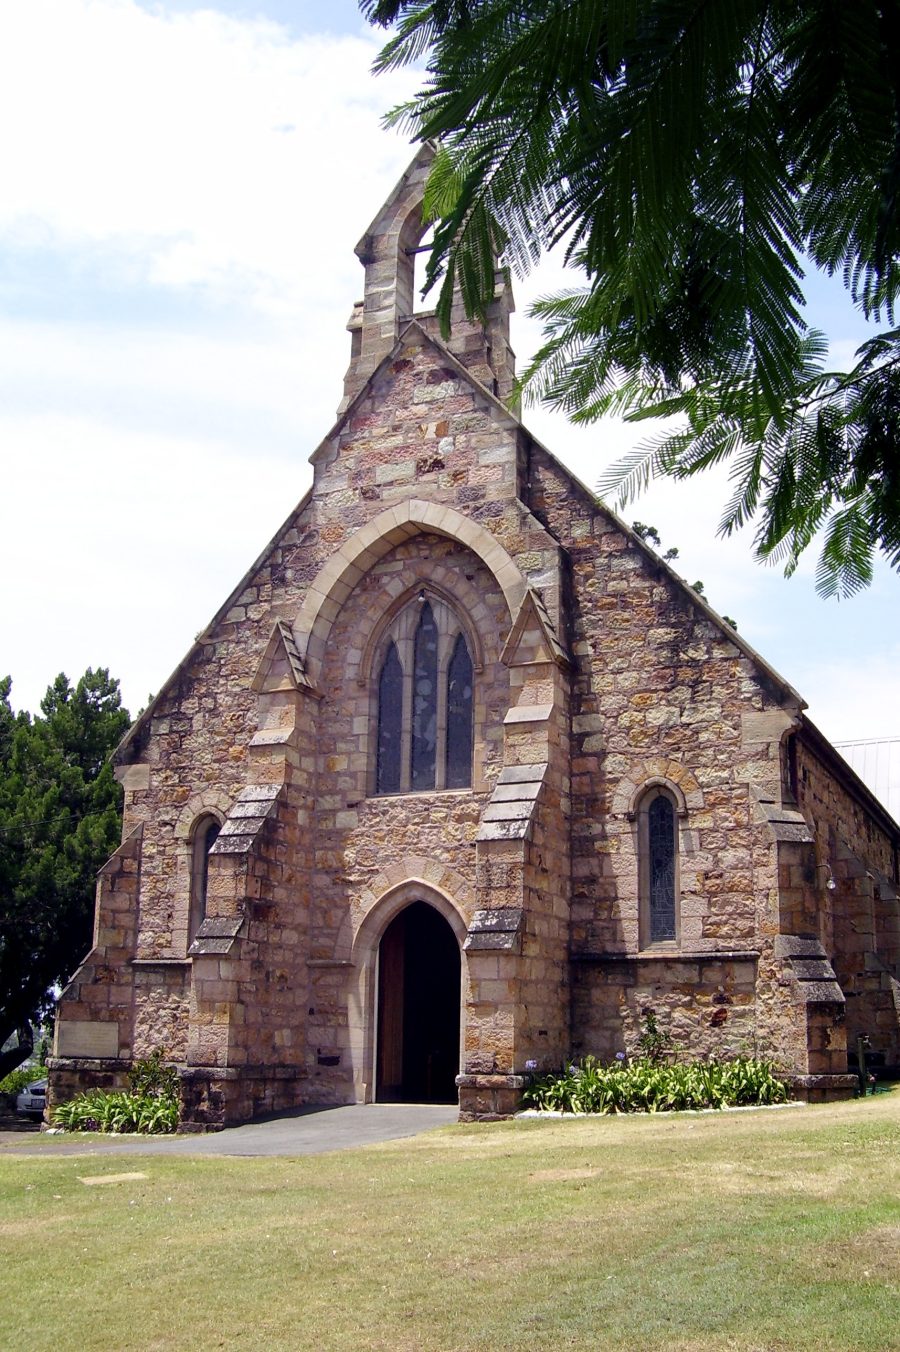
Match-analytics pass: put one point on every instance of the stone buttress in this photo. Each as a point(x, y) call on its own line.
point(281, 966)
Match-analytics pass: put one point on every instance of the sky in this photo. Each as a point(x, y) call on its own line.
point(181, 189)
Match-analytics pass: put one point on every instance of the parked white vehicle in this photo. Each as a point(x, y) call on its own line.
point(33, 1099)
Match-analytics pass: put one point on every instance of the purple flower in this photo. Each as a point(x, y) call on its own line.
point(620, 1056)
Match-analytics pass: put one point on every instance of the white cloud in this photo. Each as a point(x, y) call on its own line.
point(248, 390)
point(209, 149)
point(181, 197)
point(852, 699)
point(129, 547)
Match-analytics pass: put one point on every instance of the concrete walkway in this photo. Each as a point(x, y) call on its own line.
point(308, 1131)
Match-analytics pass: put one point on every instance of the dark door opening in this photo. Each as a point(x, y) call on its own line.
point(418, 1009)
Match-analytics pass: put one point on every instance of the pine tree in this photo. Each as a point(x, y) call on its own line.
point(60, 819)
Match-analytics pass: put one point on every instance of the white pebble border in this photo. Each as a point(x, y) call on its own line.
point(665, 1112)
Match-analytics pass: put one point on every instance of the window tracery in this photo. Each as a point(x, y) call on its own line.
point(425, 700)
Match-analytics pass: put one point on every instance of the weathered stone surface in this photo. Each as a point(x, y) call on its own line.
point(598, 677)
point(497, 929)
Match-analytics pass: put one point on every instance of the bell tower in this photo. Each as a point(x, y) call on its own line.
point(387, 251)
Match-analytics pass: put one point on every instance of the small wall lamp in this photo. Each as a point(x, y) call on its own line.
point(829, 881)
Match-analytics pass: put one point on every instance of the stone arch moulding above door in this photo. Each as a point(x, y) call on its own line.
point(392, 902)
point(362, 1004)
point(337, 578)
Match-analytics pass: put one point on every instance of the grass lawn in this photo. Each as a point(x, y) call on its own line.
point(777, 1229)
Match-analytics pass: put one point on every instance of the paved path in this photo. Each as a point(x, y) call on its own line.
point(308, 1131)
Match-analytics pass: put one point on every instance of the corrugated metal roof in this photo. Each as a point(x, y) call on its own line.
point(877, 762)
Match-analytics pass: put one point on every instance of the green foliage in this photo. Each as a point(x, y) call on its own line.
point(116, 1112)
point(149, 1107)
point(153, 1077)
point(654, 1042)
point(689, 156)
point(17, 1080)
point(649, 1085)
point(60, 819)
point(650, 535)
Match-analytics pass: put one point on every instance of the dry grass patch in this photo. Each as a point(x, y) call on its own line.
point(755, 1231)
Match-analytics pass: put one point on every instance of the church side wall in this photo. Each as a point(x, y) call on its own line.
point(660, 694)
point(836, 811)
point(859, 924)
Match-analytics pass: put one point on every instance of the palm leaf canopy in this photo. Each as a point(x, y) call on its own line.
point(689, 156)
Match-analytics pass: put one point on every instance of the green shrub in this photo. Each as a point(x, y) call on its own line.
point(19, 1079)
point(655, 1044)
point(149, 1107)
point(153, 1076)
point(647, 1085)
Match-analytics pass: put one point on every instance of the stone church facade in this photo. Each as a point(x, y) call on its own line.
point(462, 779)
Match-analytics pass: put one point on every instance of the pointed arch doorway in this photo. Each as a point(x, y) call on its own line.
point(418, 1009)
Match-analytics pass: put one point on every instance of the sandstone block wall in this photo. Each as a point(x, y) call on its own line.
point(859, 923)
point(660, 694)
point(598, 675)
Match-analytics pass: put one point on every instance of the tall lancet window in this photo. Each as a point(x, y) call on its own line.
point(424, 711)
point(204, 835)
point(658, 837)
point(425, 701)
point(459, 717)
point(390, 723)
point(661, 829)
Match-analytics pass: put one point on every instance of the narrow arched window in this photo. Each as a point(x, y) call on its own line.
point(661, 859)
point(459, 717)
point(424, 711)
point(390, 723)
point(204, 836)
point(658, 847)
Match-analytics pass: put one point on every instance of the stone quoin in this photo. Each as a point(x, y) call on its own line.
point(462, 778)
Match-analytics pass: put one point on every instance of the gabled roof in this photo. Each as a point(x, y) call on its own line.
point(412, 327)
point(501, 412)
point(203, 637)
point(503, 415)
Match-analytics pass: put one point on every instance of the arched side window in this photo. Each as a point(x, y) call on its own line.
point(658, 868)
point(203, 837)
point(425, 701)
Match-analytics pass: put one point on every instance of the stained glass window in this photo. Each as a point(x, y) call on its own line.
point(424, 700)
point(390, 723)
point(424, 710)
point(459, 717)
point(661, 868)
